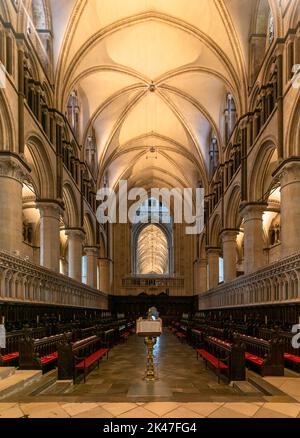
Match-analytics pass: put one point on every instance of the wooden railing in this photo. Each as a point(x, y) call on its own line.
point(277, 283)
point(23, 281)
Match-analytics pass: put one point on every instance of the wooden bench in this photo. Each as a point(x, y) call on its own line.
point(42, 353)
point(264, 357)
point(291, 355)
point(224, 357)
point(9, 356)
point(79, 356)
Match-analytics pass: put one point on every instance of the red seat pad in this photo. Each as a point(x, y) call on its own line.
point(92, 358)
point(255, 359)
point(292, 357)
point(10, 356)
point(50, 358)
point(180, 335)
point(212, 359)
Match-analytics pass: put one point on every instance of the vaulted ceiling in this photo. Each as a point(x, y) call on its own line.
point(152, 77)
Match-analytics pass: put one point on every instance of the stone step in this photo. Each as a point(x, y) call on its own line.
point(17, 382)
point(58, 388)
point(264, 386)
point(246, 388)
point(6, 372)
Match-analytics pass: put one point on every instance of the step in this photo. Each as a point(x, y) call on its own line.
point(264, 386)
point(58, 388)
point(17, 382)
point(246, 388)
point(6, 372)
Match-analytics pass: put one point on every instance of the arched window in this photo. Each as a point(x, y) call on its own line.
point(213, 155)
point(39, 31)
point(152, 239)
point(73, 112)
point(230, 116)
point(270, 30)
point(152, 251)
point(221, 270)
point(91, 152)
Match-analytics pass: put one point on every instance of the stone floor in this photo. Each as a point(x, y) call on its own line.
point(185, 389)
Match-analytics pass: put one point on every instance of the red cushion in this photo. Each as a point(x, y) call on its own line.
point(255, 359)
point(292, 357)
point(10, 356)
point(212, 359)
point(92, 358)
point(180, 335)
point(50, 358)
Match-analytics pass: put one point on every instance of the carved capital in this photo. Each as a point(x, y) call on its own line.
point(229, 235)
point(92, 251)
point(253, 210)
point(288, 171)
point(213, 250)
point(50, 209)
point(13, 166)
point(75, 233)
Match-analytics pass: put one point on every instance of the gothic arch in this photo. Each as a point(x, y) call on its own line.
point(295, 15)
point(7, 131)
point(71, 216)
point(232, 215)
point(293, 132)
point(4, 12)
point(103, 243)
point(89, 230)
point(39, 161)
point(261, 173)
point(215, 231)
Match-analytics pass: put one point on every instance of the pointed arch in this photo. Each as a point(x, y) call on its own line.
point(71, 217)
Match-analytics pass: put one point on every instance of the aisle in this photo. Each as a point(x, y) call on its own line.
point(181, 377)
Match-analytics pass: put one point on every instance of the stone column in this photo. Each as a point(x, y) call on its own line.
point(75, 242)
point(13, 171)
point(105, 275)
point(49, 234)
point(229, 253)
point(213, 255)
point(253, 236)
point(200, 276)
point(92, 254)
point(289, 174)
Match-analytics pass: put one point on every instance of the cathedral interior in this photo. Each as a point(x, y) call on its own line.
point(169, 96)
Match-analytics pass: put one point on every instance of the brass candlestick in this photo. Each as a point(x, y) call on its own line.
point(150, 372)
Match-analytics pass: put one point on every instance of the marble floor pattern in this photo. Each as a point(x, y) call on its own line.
point(185, 390)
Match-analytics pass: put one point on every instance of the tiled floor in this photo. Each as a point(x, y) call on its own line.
point(185, 389)
point(150, 410)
